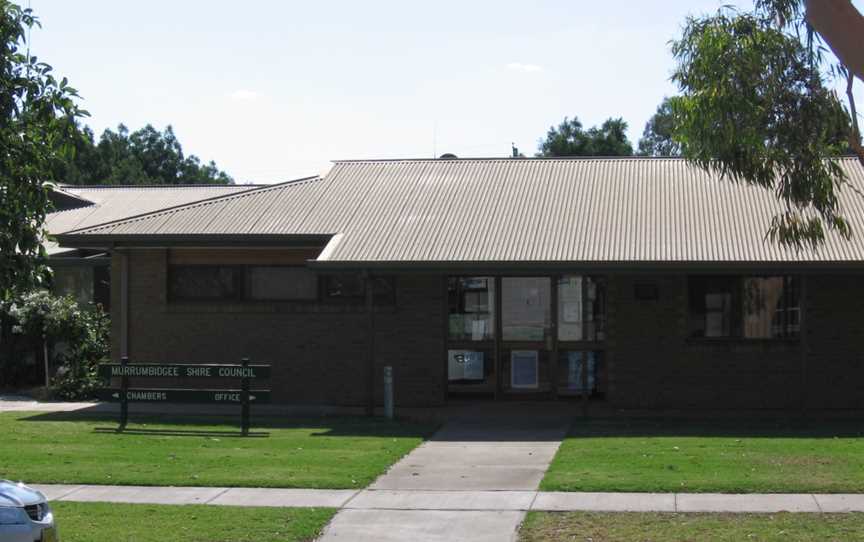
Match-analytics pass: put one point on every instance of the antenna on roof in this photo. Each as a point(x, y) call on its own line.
point(435, 139)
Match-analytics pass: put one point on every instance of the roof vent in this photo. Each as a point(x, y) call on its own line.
point(448, 156)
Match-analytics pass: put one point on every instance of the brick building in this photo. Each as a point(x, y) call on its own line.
point(640, 283)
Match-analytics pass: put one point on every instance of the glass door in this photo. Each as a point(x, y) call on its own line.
point(526, 335)
point(471, 336)
point(581, 323)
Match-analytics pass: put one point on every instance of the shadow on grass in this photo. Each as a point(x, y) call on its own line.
point(178, 432)
point(727, 427)
point(204, 425)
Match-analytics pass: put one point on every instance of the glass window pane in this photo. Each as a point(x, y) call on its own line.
point(75, 281)
point(526, 308)
point(471, 303)
point(202, 282)
point(348, 285)
point(770, 307)
point(466, 365)
point(711, 306)
point(281, 283)
point(524, 369)
point(581, 319)
point(573, 363)
point(570, 308)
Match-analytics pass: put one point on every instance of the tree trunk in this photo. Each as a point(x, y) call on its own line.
point(842, 28)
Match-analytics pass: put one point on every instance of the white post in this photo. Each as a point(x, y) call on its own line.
point(388, 392)
point(45, 355)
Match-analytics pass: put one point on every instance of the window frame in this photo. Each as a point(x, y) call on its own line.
point(380, 300)
point(736, 325)
point(241, 294)
point(246, 297)
point(237, 279)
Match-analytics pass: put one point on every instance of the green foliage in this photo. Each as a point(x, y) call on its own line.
point(37, 125)
point(77, 336)
point(755, 108)
point(145, 156)
point(569, 139)
point(657, 139)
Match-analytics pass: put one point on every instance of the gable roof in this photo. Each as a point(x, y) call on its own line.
point(104, 203)
point(506, 211)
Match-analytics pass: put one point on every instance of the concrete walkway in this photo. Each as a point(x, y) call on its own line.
point(473, 480)
point(448, 501)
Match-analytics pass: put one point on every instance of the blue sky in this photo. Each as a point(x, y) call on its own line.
point(274, 90)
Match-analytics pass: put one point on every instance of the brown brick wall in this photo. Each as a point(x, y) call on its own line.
point(318, 353)
point(652, 363)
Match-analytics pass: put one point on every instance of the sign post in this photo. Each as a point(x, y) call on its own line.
point(124, 394)
point(244, 399)
point(244, 372)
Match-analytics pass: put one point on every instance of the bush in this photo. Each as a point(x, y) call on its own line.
point(78, 338)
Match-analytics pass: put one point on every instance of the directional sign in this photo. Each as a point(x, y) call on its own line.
point(148, 370)
point(174, 395)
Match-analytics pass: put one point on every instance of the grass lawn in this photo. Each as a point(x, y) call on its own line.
point(319, 453)
point(642, 527)
point(109, 522)
point(713, 456)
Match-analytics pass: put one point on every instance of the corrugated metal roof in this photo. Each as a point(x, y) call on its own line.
point(513, 210)
point(115, 202)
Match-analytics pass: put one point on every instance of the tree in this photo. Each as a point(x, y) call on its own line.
point(757, 107)
point(37, 126)
point(569, 139)
point(657, 137)
point(146, 156)
point(37, 130)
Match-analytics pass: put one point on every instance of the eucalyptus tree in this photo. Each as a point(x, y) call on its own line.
point(758, 105)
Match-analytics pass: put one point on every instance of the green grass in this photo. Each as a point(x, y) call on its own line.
point(320, 453)
point(716, 456)
point(651, 527)
point(104, 522)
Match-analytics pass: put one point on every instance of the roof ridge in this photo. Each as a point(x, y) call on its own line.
point(191, 204)
point(535, 159)
point(128, 186)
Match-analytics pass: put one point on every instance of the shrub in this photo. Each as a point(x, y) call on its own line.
point(77, 337)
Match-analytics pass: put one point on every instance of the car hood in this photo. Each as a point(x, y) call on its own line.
point(12, 494)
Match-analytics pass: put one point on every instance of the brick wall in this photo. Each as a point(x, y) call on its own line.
point(653, 364)
point(318, 353)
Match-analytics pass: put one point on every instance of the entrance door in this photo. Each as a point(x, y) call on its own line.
point(471, 331)
point(526, 335)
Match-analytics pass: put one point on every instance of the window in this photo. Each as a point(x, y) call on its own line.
point(281, 283)
point(526, 308)
point(253, 283)
point(572, 371)
point(744, 307)
point(74, 280)
point(200, 282)
point(581, 308)
point(471, 308)
point(466, 366)
point(351, 288)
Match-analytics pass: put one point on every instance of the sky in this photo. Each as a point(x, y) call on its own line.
point(276, 89)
